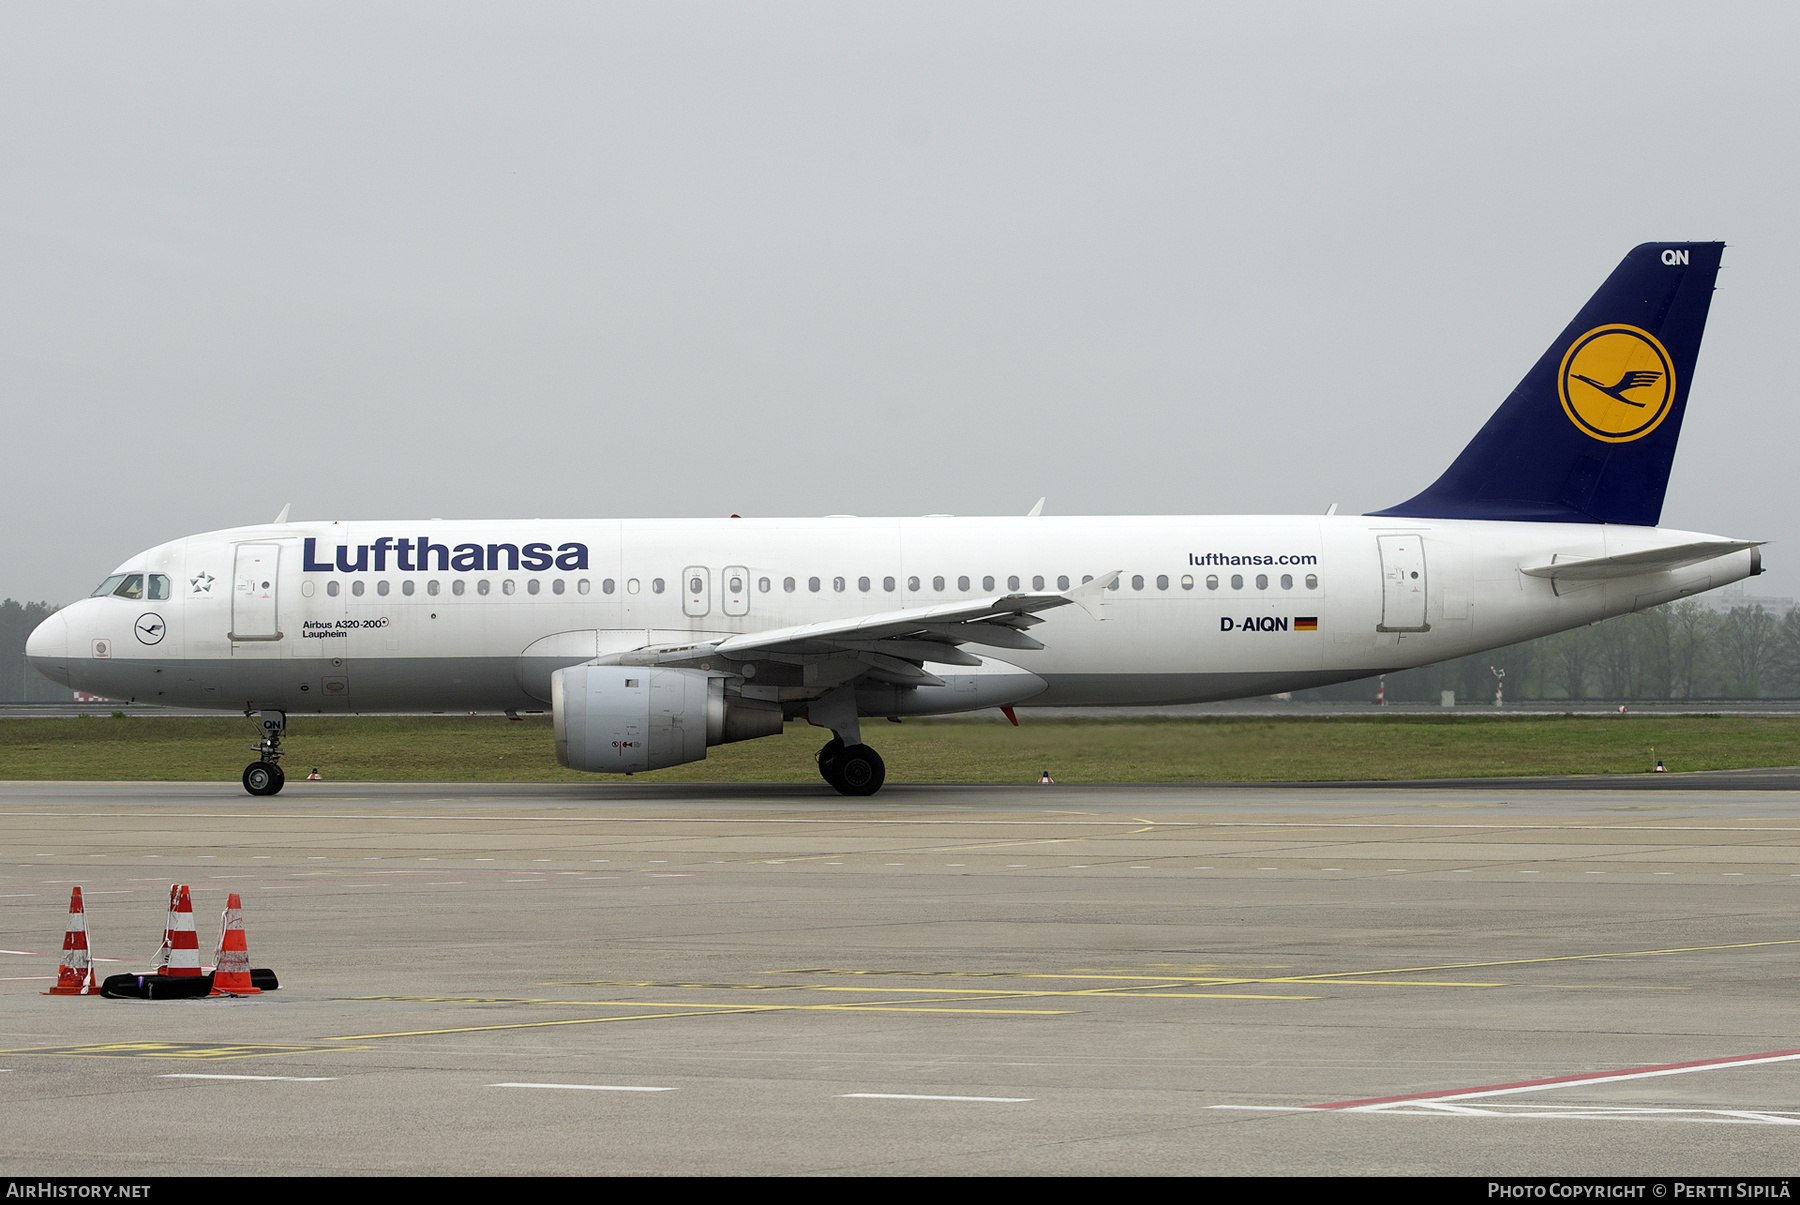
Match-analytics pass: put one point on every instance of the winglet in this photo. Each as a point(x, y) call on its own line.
point(282, 517)
point(1091, 596)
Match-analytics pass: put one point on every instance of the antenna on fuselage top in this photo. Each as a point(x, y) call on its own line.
point(1038, 509)
point(282, 517)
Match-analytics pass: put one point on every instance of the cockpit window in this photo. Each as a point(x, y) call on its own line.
point(108, 586)
point(159, 586)
point(131, 587)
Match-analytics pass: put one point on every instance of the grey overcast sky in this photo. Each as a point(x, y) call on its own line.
point(392, 261)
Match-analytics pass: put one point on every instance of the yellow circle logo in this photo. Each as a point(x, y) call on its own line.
point(1616, 383)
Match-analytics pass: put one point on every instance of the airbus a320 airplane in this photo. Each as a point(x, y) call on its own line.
point(651, 640)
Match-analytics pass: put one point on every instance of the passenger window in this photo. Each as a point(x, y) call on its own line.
point(862, 583)
point(1117, 581)
point(1062, 581)
point(812, 583)
point(159, 586)
point(383, 586)
point(458, 586)
point(533, 586)
point(1086, 578)
point(1162, 581)
point(887, 583)
point(1012, 583)
point(606, 586)
point(306, 589)
point(108, 586)
point(1137, 581)
point(1187, 581)
point(937, 583)
point(987, 583)
point(582, 586)
point(631, 585)
point(1262, 581)
point(912, 585)
point(1287, 581)
point(1312, 581)
point(657, 585)
point(407, 587)
point(132, 587)
point(962, 583)
point(481, 587)
point(556, 587)
point(1037, 583)
point(1212, 581)
point(762, 584)
point(507, 587)
point(787, 585)
point(430, 588)
point(837, 583)
point(695, 585)
point(356, 588)
point(1237, 581)
point(331, 588)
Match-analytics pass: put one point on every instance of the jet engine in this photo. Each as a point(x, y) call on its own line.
point(627, 718)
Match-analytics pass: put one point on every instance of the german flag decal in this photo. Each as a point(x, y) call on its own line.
point(1306, 623)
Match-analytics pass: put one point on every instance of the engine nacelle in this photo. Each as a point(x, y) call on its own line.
point(627, 718)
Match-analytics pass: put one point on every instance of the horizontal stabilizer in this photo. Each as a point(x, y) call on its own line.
point(1633, 564)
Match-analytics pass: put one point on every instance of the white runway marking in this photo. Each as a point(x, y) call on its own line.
point(292, 1079)
point(1599, 1113)
point(988, 1100)
point(587, 1087)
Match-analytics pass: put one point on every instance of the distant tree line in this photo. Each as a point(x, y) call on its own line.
point(19, 683)
point(1679, 651)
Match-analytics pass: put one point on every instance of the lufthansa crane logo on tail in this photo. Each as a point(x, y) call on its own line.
point(1616, 383)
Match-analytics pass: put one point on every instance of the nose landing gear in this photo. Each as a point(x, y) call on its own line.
point(264, 776)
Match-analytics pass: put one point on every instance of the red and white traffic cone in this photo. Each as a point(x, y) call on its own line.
point(75, 974)
point(1045, 780)
point(231, 970)
point(183, 945)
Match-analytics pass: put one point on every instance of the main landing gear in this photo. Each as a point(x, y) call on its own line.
point(263, 776)
point(851, 769)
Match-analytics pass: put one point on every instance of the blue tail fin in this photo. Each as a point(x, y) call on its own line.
point(1589, 434)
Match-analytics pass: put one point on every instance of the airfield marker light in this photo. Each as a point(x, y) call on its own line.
point(75, 974)
point(1045, 780)
point(162, 952)
point(314, 776)
point(231, 970)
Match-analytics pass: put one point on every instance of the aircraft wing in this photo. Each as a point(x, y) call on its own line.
point(1631, 564)
point(893, 645)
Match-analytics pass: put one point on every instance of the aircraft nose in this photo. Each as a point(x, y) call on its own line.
point(48, 648)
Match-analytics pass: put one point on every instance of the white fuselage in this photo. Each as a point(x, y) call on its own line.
point(371, 616)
